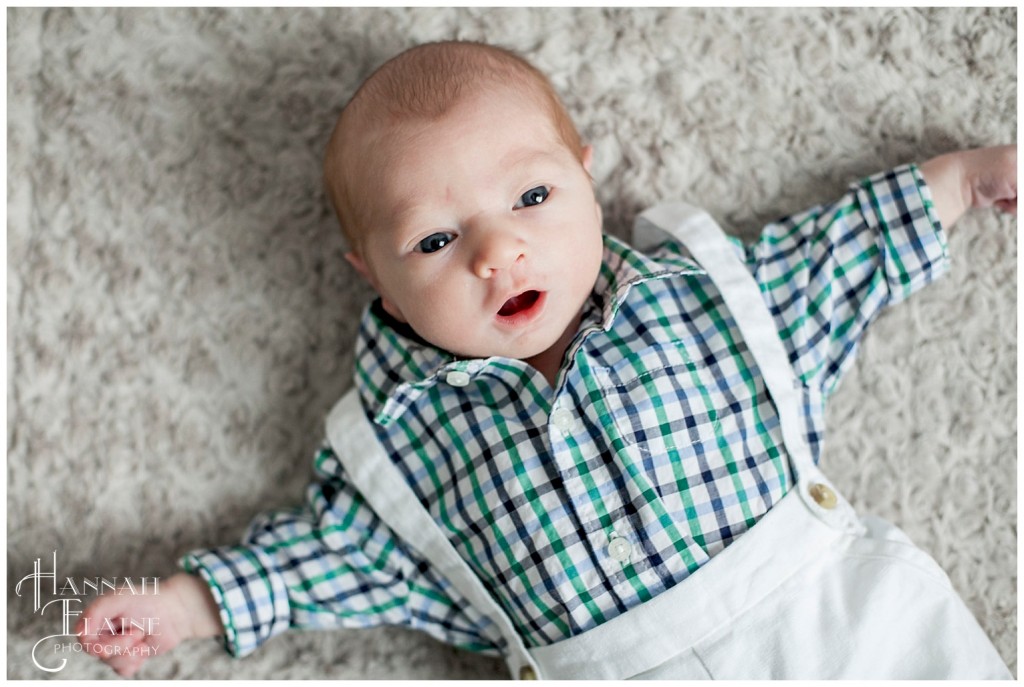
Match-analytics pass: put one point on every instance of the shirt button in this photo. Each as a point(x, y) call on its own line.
point(619, 549)
point(457, 378)
point(526, 673)
point(562, 419)
point(823, 496)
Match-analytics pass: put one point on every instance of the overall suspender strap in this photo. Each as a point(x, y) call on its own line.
point(383, 486)
point(708, 245)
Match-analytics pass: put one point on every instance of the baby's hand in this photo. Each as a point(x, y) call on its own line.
point(978, 178)
point(124, 631)
point(991, 176)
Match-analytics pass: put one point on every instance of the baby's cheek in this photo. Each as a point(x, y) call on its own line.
point(443, 320)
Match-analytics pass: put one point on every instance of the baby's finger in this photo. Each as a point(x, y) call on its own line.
point(106, 646)
point(129, 659)
point(1009, 206)
point(128, 664)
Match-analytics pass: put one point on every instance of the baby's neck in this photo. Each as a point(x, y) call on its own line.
point(549, 362)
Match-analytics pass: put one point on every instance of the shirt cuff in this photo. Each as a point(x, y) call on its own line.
point(911, 238)
point(253, 602)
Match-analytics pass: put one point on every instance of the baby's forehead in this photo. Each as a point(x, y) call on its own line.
point(379, 135)
point(386, 112)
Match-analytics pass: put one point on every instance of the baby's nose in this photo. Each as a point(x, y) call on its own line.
point(497, 250)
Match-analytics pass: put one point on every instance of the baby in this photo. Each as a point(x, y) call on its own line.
point(594, 460)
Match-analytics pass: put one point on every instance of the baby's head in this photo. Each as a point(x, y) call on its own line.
point(464, 192)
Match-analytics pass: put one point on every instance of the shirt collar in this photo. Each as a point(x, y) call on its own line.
point(623, 267)
point(394, 366)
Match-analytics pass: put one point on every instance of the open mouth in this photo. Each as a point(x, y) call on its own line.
point(518, 304)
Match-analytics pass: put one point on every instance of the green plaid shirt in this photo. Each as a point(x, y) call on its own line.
point(573, 504)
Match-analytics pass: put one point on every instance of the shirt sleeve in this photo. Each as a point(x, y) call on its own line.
point(331, 563)
point(826, 273)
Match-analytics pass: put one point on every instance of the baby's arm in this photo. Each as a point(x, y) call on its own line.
point(148, 624)
point(967, 179)
point(330, 563)
point(827, 272)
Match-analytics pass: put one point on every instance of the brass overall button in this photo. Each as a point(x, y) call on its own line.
point(823, 496)
point(526, 673)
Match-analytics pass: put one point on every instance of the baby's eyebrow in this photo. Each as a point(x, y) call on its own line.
point(402, 208)
point(525, 158)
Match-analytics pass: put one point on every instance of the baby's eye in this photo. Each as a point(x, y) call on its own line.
point(535, 196)
point(434, 242)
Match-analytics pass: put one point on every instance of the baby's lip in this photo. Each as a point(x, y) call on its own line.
point(524, 300)
point(521, 307)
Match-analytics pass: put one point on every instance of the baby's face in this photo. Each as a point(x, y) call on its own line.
point(487, 237)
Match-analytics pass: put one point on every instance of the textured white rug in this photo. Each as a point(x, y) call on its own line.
point(180, 316)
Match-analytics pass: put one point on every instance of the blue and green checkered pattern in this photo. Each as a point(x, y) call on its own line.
point(659, 431)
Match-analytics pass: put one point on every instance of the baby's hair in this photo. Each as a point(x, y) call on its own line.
point(426, 82)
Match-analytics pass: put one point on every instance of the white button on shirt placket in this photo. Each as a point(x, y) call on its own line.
point(563, 420)
point(619, 549)
point(457, 378)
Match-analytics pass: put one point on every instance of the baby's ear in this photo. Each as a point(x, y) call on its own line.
point(587, 157)
point(359, 264)
point(357, 261)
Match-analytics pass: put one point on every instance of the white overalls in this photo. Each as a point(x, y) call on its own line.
point(811, 591)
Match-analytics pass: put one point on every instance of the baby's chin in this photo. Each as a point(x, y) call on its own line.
point(524, 348)
point(497, 351)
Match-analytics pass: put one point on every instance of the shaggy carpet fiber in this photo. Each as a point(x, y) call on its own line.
point(181, 318)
